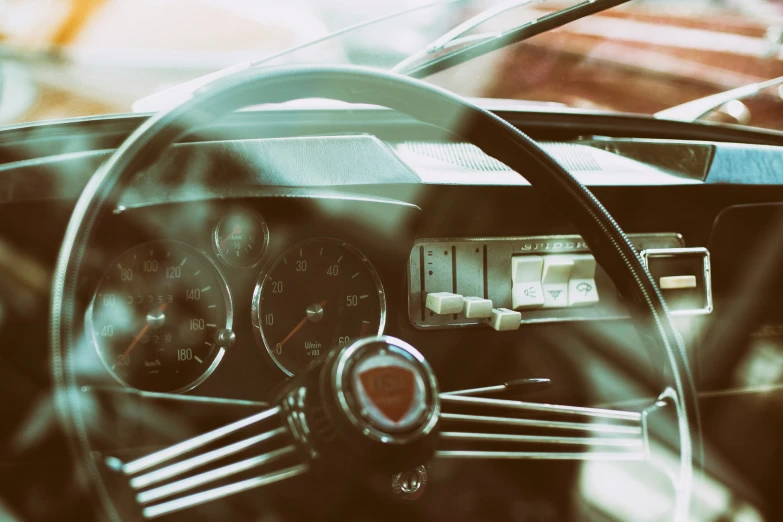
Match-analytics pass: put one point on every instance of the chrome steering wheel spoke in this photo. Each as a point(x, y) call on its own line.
point(167, 474)
point(377, 402)
point(519, 430)
point(210, 495)
point(171, 452)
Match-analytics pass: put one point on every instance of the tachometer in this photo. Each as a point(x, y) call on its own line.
point(320, 293)
point(161, 317)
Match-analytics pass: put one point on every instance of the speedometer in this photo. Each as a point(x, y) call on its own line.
point(319, 294)
point(161, 317)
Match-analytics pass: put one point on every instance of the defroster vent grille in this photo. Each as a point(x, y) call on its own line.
point(574, 157)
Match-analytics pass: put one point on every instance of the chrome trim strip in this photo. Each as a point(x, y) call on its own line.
point(541, 407)
point(504, 421)
point(209, 476)
point(579, 244)
point(173, 470)
point(176, 450)
point(304, 193)
point(221, 492)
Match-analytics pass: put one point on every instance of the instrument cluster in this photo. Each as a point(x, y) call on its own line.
point(165, 311)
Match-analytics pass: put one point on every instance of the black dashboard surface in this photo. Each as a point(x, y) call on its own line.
point(374, 193)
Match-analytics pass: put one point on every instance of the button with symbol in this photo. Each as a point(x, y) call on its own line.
point(555, 280)
point(526, 291)
point(581, 287)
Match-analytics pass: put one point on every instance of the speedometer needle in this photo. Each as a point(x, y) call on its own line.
point(301, 324)
point(138, 337)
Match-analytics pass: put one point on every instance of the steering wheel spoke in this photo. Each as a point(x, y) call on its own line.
point(601, 413)
point(519, 430)
point(206, 477)
point(179, 468)
point(173, 478)
point(164, 474)
point(171, 452)
point(202, 497)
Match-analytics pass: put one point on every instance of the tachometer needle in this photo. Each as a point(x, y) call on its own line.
point(301, 324)
point(138, 337)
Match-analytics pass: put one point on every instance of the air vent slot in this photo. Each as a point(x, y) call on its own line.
point(574, 157)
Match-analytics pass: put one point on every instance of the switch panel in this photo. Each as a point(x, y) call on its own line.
point(507, 281)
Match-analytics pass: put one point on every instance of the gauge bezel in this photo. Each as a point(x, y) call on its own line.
point(216, 238)
point(255, 307)
point(224, 290)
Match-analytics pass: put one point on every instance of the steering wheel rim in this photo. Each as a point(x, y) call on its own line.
point(425, 102)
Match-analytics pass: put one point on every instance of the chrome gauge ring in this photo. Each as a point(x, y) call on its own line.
point(157, 316)
point(318, 294)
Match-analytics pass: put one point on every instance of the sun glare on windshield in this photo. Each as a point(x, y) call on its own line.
point(87, 57)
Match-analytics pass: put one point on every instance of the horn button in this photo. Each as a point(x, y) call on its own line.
point(389, 390)
point(386, 389)
point(373, 405)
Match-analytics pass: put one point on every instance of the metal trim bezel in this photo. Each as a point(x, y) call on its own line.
point(340, 374)
point(255, 307)
point(229, 316)
point(216, 239)
point(706, 274)
point(302, 193)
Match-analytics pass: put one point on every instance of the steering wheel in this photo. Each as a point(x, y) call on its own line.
point(338, 411)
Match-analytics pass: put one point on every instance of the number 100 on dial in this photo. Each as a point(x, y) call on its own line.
point(156, 314)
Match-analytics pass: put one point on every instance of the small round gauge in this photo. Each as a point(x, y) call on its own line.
point(160, 317)
point(241, 238)
point(319, 294)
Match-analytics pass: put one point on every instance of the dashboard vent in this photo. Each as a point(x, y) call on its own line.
point(574, 157)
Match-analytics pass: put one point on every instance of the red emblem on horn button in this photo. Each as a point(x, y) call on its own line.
point(391, 389)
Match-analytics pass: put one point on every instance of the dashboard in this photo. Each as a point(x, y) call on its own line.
point(276, 282)
point(248, 252)
point(258, 288)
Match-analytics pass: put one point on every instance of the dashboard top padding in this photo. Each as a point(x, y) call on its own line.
point(316, 161)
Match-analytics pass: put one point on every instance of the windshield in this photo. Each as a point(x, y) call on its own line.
point(86, 57)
